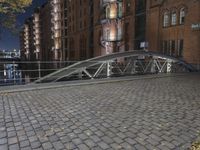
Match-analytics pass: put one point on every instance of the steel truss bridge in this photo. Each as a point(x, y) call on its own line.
point(119, 64)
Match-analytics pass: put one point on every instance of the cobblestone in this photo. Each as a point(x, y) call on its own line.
point(24, 143)
point(159, 113)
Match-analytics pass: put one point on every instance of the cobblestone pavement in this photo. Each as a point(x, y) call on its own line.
point(146, 114)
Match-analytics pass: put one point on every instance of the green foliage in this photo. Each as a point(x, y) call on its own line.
point(13, 6)
point(9, 10)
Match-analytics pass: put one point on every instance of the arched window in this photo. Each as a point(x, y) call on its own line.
point(166, 19)
point(182, 16)
point(120, 10)
point(173, 18)
point(108, 12)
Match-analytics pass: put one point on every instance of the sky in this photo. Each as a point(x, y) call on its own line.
point(9, 41)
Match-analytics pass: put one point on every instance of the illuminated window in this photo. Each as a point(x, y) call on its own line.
point(108, 12)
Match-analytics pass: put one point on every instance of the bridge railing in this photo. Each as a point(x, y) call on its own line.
point(23, 72)
point(17, 73)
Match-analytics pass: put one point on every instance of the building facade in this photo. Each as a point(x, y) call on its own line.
point(175, 28)
point(43, 33)
point(97, 27)
point(29, 39)
point(79, 33)
point(82, 29)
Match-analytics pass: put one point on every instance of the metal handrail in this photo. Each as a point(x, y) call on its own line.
point(93, 69)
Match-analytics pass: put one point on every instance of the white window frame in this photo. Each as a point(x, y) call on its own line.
point(166, 19)
point(182, 15)
point(108, 12)
point(173, 18)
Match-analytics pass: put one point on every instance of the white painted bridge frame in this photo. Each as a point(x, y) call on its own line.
point(120, 64)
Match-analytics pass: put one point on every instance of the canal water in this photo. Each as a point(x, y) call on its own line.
point(10, 74)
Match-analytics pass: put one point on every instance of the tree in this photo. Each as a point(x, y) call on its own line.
point(9, 10)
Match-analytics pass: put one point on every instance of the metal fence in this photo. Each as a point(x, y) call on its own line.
point(18, 73)
point(23, 72)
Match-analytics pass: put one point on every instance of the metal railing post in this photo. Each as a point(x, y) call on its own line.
point(39, 69)
point(14, 73)
point(169, 66)
point(4, 73)
point(109, 69)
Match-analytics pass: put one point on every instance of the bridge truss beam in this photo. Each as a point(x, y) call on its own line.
point(120, 64)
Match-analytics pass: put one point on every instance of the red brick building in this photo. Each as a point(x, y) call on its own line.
point(44, 29)
point(45, 33)
point(173, 28)
point(85, 28)
point(88, 28)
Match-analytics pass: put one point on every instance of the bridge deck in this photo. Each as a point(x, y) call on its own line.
point(152, 113)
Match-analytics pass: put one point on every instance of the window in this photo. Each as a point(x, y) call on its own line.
point(108, 12)
point(173, 18)
point(166, 19)
point(170, 47)
point(65, 13)
point(65, 4)
point(84, 23)
point(165, 47)
point(180, 48)
point(107, 34)
point(84, 11)
point(128, 6)
point(182, 16)
point(173, 47)
point(120, 10)
point(66, 31)
point(119, 32)
point(66, 43)
point(140, 6)
point(80, 24)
